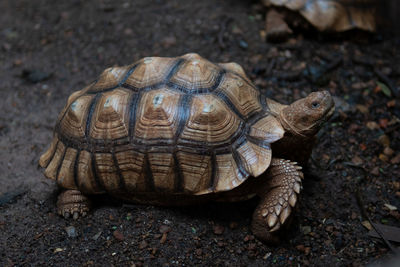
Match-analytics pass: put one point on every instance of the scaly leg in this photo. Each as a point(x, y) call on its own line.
point(283, 184)
point(72, 202)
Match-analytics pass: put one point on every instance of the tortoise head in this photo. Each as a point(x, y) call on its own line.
point(305, 116)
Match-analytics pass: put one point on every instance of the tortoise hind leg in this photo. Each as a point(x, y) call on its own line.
point(72, 202)
point(279, 196)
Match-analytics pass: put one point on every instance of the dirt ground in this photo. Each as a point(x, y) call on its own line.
point(48, 49)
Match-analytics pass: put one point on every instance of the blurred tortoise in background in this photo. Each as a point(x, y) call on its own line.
point(325, 15)
point(176, 131)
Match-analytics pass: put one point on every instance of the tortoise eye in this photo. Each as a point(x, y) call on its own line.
point(315, 105)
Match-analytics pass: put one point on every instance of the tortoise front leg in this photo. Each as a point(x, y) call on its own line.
point(279, 196)
point(72, 202)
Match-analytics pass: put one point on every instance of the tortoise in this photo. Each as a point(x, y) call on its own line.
point(183, 130)
point(325, 15)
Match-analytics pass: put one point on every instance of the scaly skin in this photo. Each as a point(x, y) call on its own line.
point(72, 202)
point(282, 187)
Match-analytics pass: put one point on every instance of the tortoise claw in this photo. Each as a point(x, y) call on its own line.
point(72, 203)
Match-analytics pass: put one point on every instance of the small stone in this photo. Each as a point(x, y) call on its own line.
point(164, 229)
point(390, 207)
point(391, 103)
point(218, 229)
point(168, 41)
point(243, 44)
point(375, 171)
point(248, 238)
point(199, 251)
point(118, 235)
point(367, 225)
point(372, 125)
point(342, 105)
point(357, 160)
point(71, 231)
point(383, 123)
point(363, 109)
point(353, 215)
point(383, 157)
point(388, 151)
point(384, 140)
point(58, 250)
point(233, 225)
point(35, 76)
point(143, 244)
point(128, 31)
point(163, 238)
point(396, 159)
point(266, 256)
point(305, 229)
point(304, 249)
point(17, 62)
point(96, 236)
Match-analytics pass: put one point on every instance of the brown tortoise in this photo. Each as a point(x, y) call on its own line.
point(175, 131)
point(333, 15)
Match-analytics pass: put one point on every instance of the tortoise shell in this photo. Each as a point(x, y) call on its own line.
point(180, 125)
point(333, 15)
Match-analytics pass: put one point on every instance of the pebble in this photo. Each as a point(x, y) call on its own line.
point(304, 249)
point(96, 236)
point(218, 229)
point(233, 225)
point(118, 235)
point(248, 238)
point(396, 159)
point(388, 151)
point(198, 252)
point(357, 160)
point(71, 231)
point(372, 125)
point(375, 171)
point(163, 238)
point(143, 244)
point(305, 229)
point(243, 44)
point(35, 76)
point(164, 229)
point(384, 140)
point(390, 207)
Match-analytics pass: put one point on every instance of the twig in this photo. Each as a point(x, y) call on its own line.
point(392, 129)
point(360, 203)
point(221, 33)
point(270, 66)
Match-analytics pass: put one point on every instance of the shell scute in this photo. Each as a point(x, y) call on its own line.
point(150, 71)
point(110, 119)
point(241, 94)
point(157, 115)
point(210, 120)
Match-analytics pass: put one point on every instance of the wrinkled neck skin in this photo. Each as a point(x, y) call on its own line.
point(293, 146)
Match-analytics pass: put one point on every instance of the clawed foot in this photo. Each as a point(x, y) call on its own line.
point(72, 203)
point(283, 187)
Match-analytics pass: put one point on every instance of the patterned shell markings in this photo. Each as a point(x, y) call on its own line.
point(178, 125)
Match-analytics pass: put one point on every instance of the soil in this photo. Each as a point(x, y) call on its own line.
point(49, 49)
